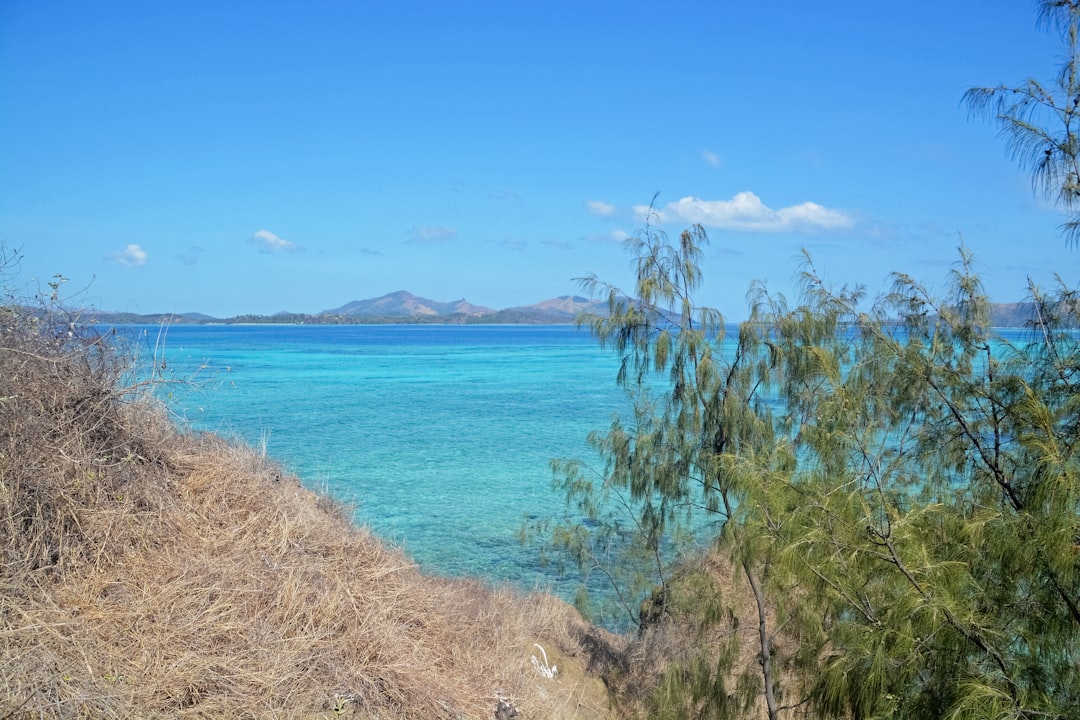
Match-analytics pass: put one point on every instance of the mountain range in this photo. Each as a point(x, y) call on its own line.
point(404, 307)
point(400, 306)
point(405, 303)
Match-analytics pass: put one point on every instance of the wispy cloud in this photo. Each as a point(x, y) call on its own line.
point(711, 158)
point(191, 255)
point(508, 196)
point(268, 242)
point(615, 236)
point(512, 244)
point(432, 233)
point(132, 256)
point(746, 212)
point(603, 209)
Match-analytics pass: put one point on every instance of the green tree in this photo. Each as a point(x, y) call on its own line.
point(898, 487)
point(932, 517)
point(691, 461)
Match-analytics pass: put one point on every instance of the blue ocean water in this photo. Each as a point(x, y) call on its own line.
point(441, 435)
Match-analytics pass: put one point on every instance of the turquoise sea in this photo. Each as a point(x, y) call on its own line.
point(441, 435)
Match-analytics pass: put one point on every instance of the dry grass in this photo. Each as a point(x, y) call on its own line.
point(148, 573)
point(702, 659)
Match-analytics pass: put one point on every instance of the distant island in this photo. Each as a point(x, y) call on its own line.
point(403, 307)
point(399, 307)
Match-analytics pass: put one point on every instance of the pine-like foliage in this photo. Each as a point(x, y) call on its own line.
point(898, 489)
point(933, 515)
point(1039, 120)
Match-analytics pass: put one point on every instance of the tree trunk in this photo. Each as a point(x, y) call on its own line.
point(766, 647)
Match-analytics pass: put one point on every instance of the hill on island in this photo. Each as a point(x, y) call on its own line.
point(563, 309)
point(403, 302)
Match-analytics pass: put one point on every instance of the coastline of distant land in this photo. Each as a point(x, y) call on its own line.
point(404, 308)
point(394, 308)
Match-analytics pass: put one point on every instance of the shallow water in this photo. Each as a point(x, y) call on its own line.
point(442, 436)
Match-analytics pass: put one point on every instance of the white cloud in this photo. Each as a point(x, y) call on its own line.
point(603, 209)
point(268, 242)
point(711, 158)
point(745, 212)
point(131, 256)
point(431, 233)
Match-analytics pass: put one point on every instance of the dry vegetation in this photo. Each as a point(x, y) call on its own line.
point(701, 659)
point(146, 572)
point(150, 573)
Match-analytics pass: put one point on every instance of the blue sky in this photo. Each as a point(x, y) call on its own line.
point(235, 157)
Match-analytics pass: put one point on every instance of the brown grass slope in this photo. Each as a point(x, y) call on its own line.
point(700, 658)
point(146, 572)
